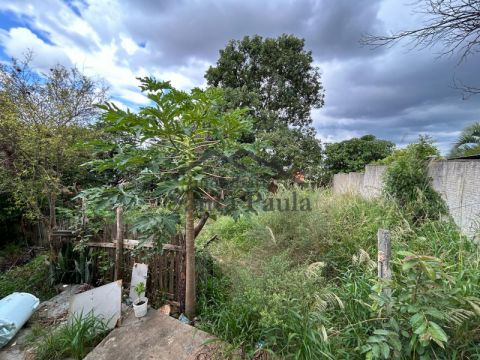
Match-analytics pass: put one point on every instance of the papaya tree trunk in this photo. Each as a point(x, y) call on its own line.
point(190, 258)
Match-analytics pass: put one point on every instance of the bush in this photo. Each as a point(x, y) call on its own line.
point(430, 308)
point(408, 183)
point(32, 277)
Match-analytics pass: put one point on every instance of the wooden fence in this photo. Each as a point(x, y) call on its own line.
point(166, 264)
point(165, 268)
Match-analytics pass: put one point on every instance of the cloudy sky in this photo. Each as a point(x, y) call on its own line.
point(393, 93)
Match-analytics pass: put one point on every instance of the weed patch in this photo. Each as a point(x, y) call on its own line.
point(303, 285)
point(33, 277)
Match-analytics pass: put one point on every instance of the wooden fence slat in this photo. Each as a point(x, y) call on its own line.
point(130, 244)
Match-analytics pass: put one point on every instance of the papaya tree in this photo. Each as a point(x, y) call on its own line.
point(180, 152)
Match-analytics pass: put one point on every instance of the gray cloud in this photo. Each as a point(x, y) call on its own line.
point(177, 31)
point(392, 93)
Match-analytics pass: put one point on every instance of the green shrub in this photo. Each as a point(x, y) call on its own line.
point(32, 277)
point(408, 183)
point(429, 310)
point(72, 340)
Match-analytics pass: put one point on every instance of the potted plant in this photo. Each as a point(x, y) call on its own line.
point(141, 303)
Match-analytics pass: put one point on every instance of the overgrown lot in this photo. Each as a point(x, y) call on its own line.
point(303, 284)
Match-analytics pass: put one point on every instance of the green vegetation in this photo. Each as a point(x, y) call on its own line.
point(408, 183)
point(42, 120)
point(275, 78)
point(352, 155)
point(293, 284)
point(33, 277)
point(139, 288)
point(72, 340)
point(182, 150)
point(468, 143)
point(303, 285)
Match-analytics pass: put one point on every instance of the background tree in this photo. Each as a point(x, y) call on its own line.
point(42, 118)
point(454, 24)
point(275, 78)
point(182, 148)
point(292, 150)
point(352, 155)
point(468, 143)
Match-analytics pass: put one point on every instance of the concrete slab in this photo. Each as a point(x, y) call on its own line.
point(155, 336)
point(104, 302)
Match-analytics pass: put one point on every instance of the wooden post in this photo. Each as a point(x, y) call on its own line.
point(84, 213)
point(384, 254)
point(51, 205)
point(119, 245)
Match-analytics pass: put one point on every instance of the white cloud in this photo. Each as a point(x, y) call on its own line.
point(17, 41)
point(94, 43)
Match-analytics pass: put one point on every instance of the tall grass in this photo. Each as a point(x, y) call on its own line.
point(72, 340)
point(303, 284)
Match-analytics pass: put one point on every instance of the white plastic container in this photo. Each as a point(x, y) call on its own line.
point(15, 310)
point(140, 310)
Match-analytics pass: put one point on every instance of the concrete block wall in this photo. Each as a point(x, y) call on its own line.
point(373, 181)
point(457, 181)
point(348, 183)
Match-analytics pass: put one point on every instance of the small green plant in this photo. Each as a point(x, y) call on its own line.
point(139, 289)
point(73, 340)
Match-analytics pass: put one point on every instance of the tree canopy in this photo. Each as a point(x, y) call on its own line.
point(273, 77)
point(352, 155)
point(43, 117)
point(468, 143)
point(276, 80)
point(290, 151)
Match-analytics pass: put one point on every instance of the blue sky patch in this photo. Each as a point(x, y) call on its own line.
point(73, 7)
point(10, 20)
